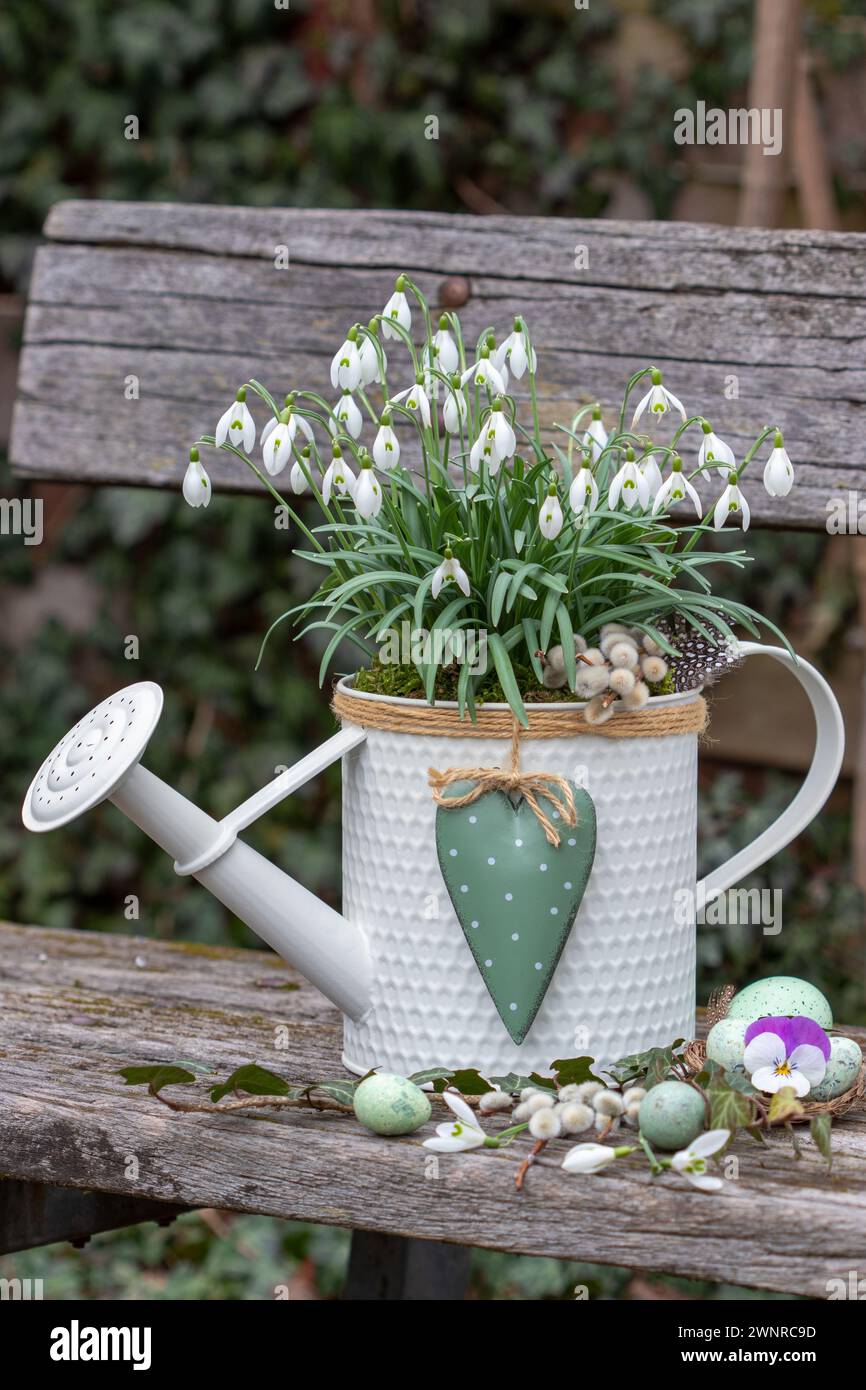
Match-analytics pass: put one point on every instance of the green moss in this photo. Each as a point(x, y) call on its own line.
point(404, 681)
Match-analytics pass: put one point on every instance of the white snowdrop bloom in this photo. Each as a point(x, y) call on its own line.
point(237, 424)
point(692, 1161)
point(450, 569)
point(659, 400)
point(339, 480)
point(731, 501)
point(277, 449)
point(349, 417)
point(778, 473)
point(298, 479)
point(444, 356)
point(346, 364)
point(483, 451)
point(463, 1132)
point(628, 485)
point(516, 353)
point(483, 373)
point(676, 488)
point(417, 400)
point(550, 518)
point(368, 492)
point(583, 493)
point(545, 1124)
point(369, 360)
point(386, 445)
point(595, 437)
point(715, 450)
point(504, 438)
point(196, 483)
point(649, 467)
point(396, 311)
point(589, 1158)
point(456, 410)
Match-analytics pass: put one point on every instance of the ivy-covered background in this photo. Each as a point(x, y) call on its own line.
point(541, 108)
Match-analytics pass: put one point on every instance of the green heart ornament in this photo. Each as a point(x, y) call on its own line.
point(516, 897)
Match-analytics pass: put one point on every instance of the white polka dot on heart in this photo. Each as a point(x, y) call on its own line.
point(538, 965)
point(508, 897)
point(453, 853)
point(473, 820)
point(464, 888)
point(572, 841)
point(515, 936)
point(543, 868)
point(566, 885)
point(554, 912)
point(519, 844)
point(512, 1007)
point(491, 860)
point(473, 924)
point(488, 962)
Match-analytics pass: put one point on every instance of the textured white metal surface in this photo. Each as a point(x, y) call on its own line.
point(626, 979)
point(89, 761)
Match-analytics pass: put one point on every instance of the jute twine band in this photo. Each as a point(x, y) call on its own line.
point(530, 785)
point(545, 721)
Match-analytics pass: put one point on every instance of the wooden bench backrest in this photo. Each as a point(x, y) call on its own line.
point(749, 327)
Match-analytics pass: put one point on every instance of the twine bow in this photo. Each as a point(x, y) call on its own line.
point(531, 785)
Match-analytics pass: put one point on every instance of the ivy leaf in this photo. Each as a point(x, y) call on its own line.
point(821, 1130)
point(422, 1078)
point(469, 1082)
point(729, 1109)
point(784, 1104)
point(571, 1071)
point(156, 1077)
point(256, 1081)
point(655, 1065)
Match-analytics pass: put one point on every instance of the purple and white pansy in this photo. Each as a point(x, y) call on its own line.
point(786, 1052)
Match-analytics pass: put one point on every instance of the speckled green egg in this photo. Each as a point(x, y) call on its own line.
point(781, 994)
point(843, 1068)
point(390, 1104)
point(671, 1115)
point(726, 1043)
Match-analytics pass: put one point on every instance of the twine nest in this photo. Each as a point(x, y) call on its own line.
point(695, 1054)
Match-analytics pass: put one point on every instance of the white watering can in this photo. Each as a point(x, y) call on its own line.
point(397, 964)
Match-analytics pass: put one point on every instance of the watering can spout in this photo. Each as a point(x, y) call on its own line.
point(99, 760)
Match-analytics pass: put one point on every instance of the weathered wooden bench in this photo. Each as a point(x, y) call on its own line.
point(186, 302)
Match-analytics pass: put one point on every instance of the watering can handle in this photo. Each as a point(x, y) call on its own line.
point(820, 779)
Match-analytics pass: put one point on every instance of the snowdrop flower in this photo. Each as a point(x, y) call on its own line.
point(650, 470)
point(497, 439)
point(456, 409)
point(483, 372)
point(237, 424)
point(196, 483)
point(442, 354)
point(417, 400)
point(715, 450)
point(368, 492)
point(448, 570)
point(278, 442)
point(786, 1052)
point(369, 359)
point(583, 493)
point(516, 353)
point(396, 310)
point(778, 473)
point(731, 500)
point(298, 478)
point(630, 484)
point(592, 1158)
point(348, 416)
point(692, 1162)
point(339, 479)
point(595, 437)
point(386, 445)
point(550, 518)
point(482, 451)
point(676, 488)
point(464, 1132)
point(658, 399)
point(346, 363)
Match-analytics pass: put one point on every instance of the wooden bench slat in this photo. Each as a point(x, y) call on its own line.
point(187, 299)
point(74, 1007)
